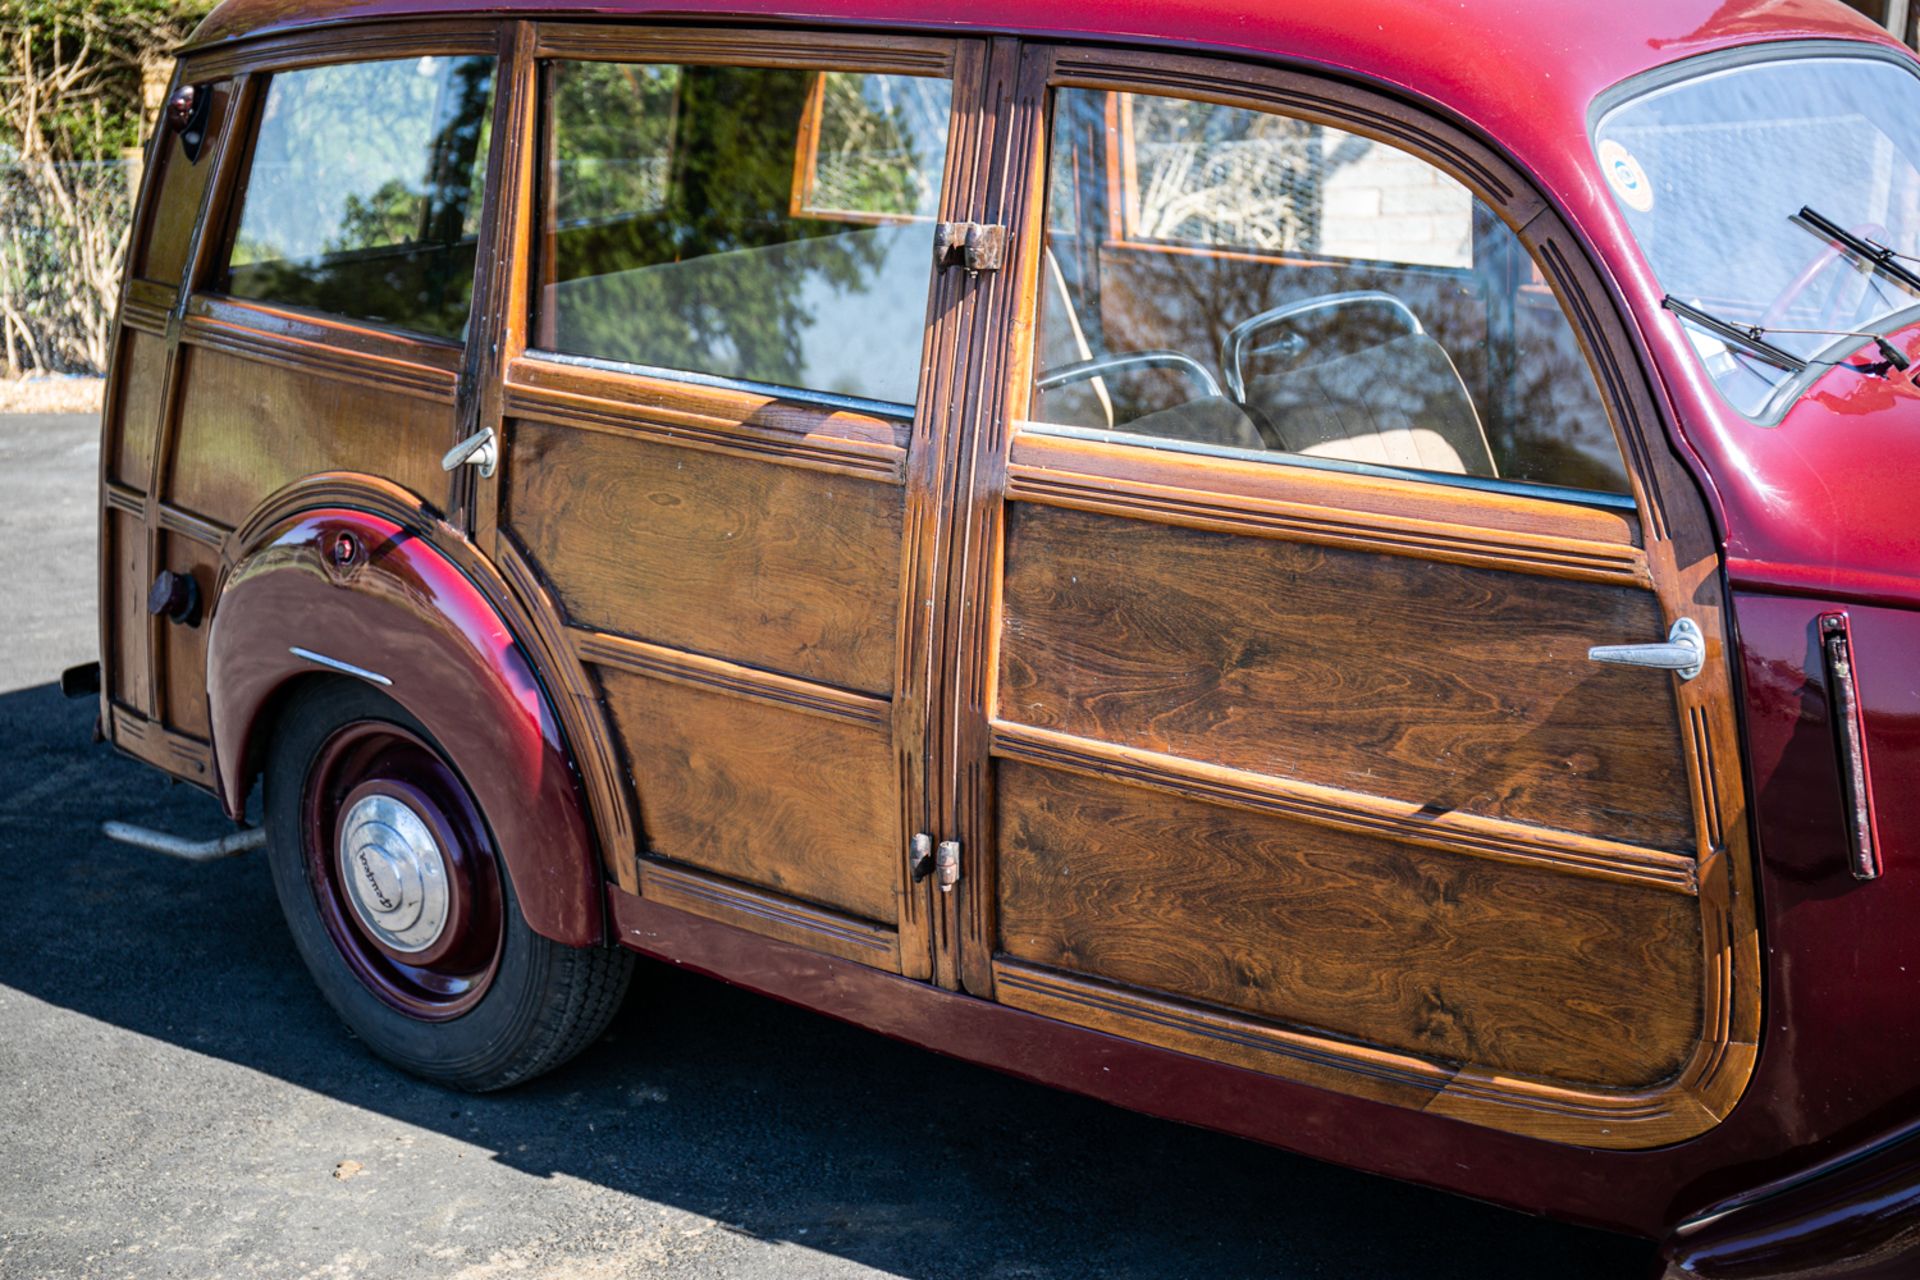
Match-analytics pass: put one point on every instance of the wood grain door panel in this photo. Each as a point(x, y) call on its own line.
point(1456, 959)
point(1459, 689)
point(779, 567)
point(802, 802)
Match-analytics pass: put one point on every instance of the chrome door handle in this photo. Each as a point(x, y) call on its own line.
point(1683, 653)
point(477, 450)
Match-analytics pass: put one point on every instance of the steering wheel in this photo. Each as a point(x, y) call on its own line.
point(1824, 257)
point(1237, 346)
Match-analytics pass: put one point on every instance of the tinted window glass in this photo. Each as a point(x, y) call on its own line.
point(363, 199)
point(1237, 281)
point(762, 224)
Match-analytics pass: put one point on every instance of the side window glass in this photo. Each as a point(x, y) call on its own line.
point(1244, 282)
point(364, 192)
point(761, 224)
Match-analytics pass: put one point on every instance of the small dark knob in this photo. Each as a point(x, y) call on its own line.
point(180, 110)
point(176, 597)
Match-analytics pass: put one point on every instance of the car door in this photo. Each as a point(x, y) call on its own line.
point(1277, 740)
point(719, 453)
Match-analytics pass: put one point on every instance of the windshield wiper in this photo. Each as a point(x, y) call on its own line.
point(1883, 260)
point(1751, 338)
point(1747, 337)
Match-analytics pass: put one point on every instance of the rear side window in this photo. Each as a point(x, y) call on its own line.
point(767, 225)
point(364, 192)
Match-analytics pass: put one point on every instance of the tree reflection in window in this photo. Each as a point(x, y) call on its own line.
point(364, 192)
point(681, 233)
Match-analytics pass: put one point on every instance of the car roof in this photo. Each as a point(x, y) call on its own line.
point(1446, 50)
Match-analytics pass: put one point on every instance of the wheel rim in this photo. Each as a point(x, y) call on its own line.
point(402, 871)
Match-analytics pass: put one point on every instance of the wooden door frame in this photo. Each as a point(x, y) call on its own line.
point(805, 432)
point(1668, 545)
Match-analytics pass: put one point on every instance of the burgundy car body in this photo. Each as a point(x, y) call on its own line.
point(1806, 531)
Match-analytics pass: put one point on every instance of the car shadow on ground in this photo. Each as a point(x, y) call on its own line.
point(775, 1122)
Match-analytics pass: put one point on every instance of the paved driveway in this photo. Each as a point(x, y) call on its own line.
point(175, 1100)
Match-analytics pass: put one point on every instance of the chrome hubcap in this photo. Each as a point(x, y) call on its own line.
point(395, 874)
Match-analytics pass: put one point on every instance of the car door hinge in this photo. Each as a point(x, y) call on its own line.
point(947, 862)
point(976, 246)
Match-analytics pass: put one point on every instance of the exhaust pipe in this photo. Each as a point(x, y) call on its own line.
point(226, 846)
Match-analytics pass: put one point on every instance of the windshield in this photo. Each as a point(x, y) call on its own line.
point(1711, 173)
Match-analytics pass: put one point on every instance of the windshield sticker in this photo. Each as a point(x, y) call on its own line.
point(1626, 175)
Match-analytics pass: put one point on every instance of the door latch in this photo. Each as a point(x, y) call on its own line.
point(1684, 652)
point(477, 450)
point(947, 862)
point(976, 246)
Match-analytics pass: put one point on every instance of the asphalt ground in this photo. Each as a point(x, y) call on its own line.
point(176, 1101)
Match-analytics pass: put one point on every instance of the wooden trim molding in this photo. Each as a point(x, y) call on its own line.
point(119, 497)
point(369, 43)
point(187, 525)
point(150, 741)
point(1317, 508)
point(389, 362)
point(719, 676)
point(1496, 839)
point(830, 50)
point(716, 419)
point(769, 914)
point(1692, 1102)
point(146, 306)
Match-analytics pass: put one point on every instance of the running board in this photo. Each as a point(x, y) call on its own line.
point(227, 846)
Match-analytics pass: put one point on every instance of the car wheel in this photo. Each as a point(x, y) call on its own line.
point(386, 869)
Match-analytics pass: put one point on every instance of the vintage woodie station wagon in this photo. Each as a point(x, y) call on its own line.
point(1348, 573)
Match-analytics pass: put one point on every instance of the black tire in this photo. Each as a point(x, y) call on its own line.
point(542, 1002)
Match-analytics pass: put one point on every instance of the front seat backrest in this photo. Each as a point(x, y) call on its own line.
point(1399, 404)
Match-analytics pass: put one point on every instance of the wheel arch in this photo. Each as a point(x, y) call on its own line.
point(352, 578)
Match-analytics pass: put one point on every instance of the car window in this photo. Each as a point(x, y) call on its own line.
point(364, 191)
point(761, 224)
point(1249, 283)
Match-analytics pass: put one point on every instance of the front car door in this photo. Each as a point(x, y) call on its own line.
point(1278, 740)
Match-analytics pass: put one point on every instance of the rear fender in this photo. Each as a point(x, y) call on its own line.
point(370, 595)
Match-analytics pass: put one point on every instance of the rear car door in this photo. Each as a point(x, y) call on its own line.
point(1278, 738)
point(718, 458)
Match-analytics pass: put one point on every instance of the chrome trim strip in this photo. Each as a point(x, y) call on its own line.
point(334, 664)
point(824, 399)
point(1863, 845)
point(1486, 484)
